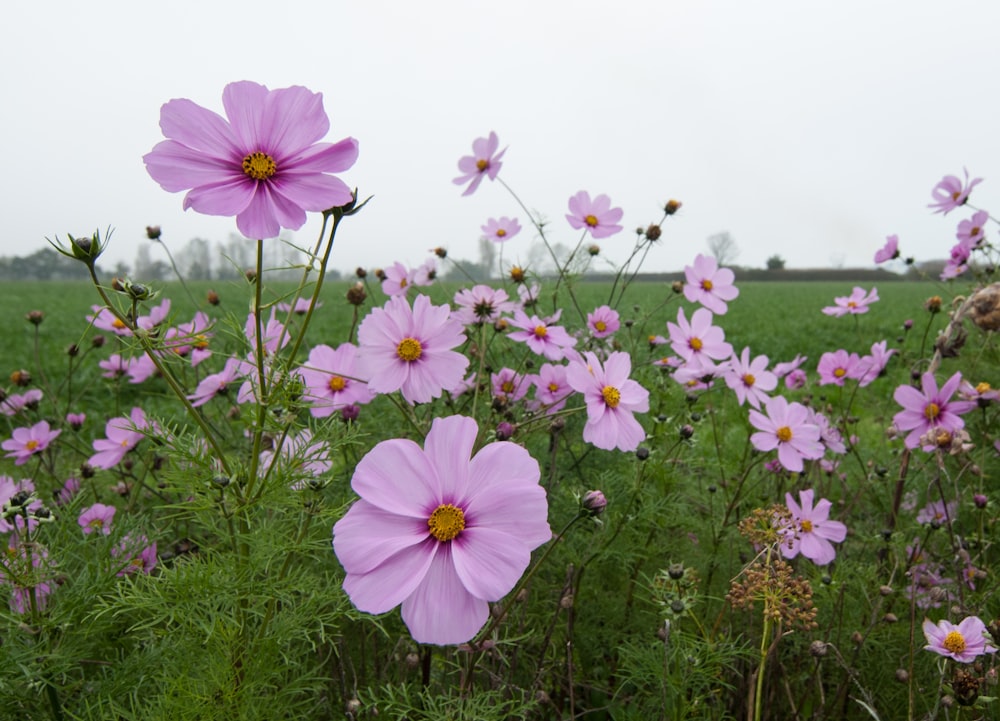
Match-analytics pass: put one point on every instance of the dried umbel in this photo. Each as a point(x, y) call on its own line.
point(785, 597)
point(984, 308)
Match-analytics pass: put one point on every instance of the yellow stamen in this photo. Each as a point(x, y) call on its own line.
point(983, 387)
point(446, 522)
point(507, 387)
point(806, 526)
point(749, 379)
point(553, 387)
point(954, 642)
point(482, 164)
point(931, 411)
point(695, 344)
point(409, 349)
point(501, 232)
point(31, 445)
point(706, 284)
point(600, 326)
point(117, 323)
point(337, 383)
point(784, 434)
point(839, 373)
point(612, 396)
point(591, 220)
point(259, 166)
point(541, 331)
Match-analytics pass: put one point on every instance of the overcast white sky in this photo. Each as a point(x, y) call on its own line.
point(811, 129)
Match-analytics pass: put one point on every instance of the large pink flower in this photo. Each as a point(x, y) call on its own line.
point(930, 409)
point(123, 434)
point(750, 379)
point(812, 533)
point(787, 428)
point(441, 531)
point(963, 642)
point(709, 284)
point(411, 350)
point(951, 192)
point(333, 379)
point(612, 399)
point(596, 216)
point(698, 340)
point(26, 442)
point(263, 164)
point(483, 163)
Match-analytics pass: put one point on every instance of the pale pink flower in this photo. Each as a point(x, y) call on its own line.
point(543, 338)
point(929, 409)
point(216, 383)
point(481, 304)
point(551, 388)
point(812, 533)
point(398, 279)
point(971, 231)
point(301, 306)
point(786, 428)
point(612, 399)
point(190, 339)
point(596, 216)
point(425, 273)
point(603, 321)
point(964, 642)
point(263, 164)
point(854, 304)
point(509, 385)
point(501, 229)
point(303, 460)
point(275, 337)
point(889, 251)
point(114, 366)
point(137, 554)
point(951, 192)
point(122, 435)
point(750, 379)
point(104, 319)
point(958, 260)
point(440, 530)
point(8, 489)
point(709, 285)
point(334, 379)
point(938, 512)
point(698, 339)
point(838, 366)
point(156, 316)
point(16, 402)
point(29, 441)
point(483, 163)
point(97, 518)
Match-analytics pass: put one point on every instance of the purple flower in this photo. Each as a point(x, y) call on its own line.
point(501, 229)
point(76, 420)
point(889, 251)
point(783, 369)
point(333, 379)
point(603, 321)
point(481, 304)
point(812, 533)
point(709, 285)
point(938, 512)
point(963, 643)
point(263, 164)
point(16, 402)
point(971, 231)
point(795, 379)
point(484, 162)
point(441, 531)
point(929, 409)
point(855, 303)
point(410, 350)
point(698, 339)
point(97, 518)
point(397, 279)
point(123, 434)
point(551, 389)
point(750, 380)
point(951, 193)
point(137, 553)
point(26, 442)
point(612, 399)
point(551, 341)
point(509, 385)
point(958, 260)
point(837, 367)
point(304, 461)
point(216, 383)
point(596, 216)
point(786, 428)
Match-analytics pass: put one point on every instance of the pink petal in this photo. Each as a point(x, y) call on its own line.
point(176, 167)
point(293, 118)
point(391, 582)
point(441, 611)
point(396, 477)
point(199, 129)
point(367, 536)
point(448, 448)
point(228, 197)
point(244, 105)
point(489, 562)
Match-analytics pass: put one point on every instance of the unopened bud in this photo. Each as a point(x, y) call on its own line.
point(440, 252)
point(672, 207)
point(212, 297)
point(902, 675)
point(677, 286)
point(153, 232)
point(21, 378)
point(653, 232)
point(687, 430)
point(361, 272)
point(818, 649)
point(35, 317)
point(594, 502)
point(356, 294)
point(594, 249)
point(933, 304)
point(505, 431)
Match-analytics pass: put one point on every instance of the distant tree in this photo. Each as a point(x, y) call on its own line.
point(775, 262)
point(487, 255)
point(195, 260)
point(147, 269)
point(723, 248)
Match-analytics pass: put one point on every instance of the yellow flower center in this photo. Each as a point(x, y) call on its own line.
point(517, 274)
point(200, 341)
point(402, 282)
point(706, 284)
point(337, 383)
point(931, 411)
point(954, 642)
point(591, 220)
point(839, 373)
point(612, 396)
point(31, 445)
point(541, 331)
point(695, 344)
point(446, 522)
point(501, 232)
point(482, 164)
point(983, 387)
point(956, 195)
point(409, 349)
point(507, 386)
point(600, 326)
point(806, 526)
point(259, 166)
point(553, 387)
point(117, 323)
point(749, 379)
point(96, 523)
point(784, 434)
point(975, 231)
point(852, 304)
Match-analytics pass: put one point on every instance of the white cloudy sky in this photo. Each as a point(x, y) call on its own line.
point(807, 128)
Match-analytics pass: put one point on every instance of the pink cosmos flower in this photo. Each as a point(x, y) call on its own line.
point(216, 383)
point(481, 304)
point(26, 442)
point(398, 279)
point(16, 402)
point(750, 379)
point(603, 321)
point(114, 366)
point(951, 193)
point(97, 518)
point(8, 489)
point(411, 350)
point(709, 285)
point(275, 335)
point(333, 379)
point(698, 339)
point(828, 433)
point(104, 319)
point(871, 366)
point(263, 164)
point(612, 399)
point(122, 435)
point(964, 643)
point(929, 409)
point(855, 303)
point(783, 369)
point(27, 563)
point(596, 216)
point(509, 385)
point(156, 316)
point(528, 296)
point(425, 273)
point(483, 163)
point(938, 512)
point(76, 420)
point(140, 369)
point(551, 341)
point(303, 460)
point(958, 260)
point(971, 230)
point(501, 229)
point(786, 427)
point(795, 379)
point(838, 366)
point(551, 388)
point(301, 306)
point(190, 339)
point(812, 533)
point(889, 251)
point(439, 530)
point(137, 554)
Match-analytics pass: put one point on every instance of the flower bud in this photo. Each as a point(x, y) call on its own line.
point(97, 341)
point(818, 649)
point(440, 252)
point(212, 297)
point(504, 431)
point(642, 453)
point(672, 207)
point(517, 274)
point(153, 232)
point(251, 275)
point(21, 378)
point(980, 500)
point(653, 232)
point(933, 304)
point(687, 430)
point(379, 273)
point(677, 286)
point(594, 502)
point(356, 294)
point(594, 249)
point(350, 412)
point(35, 317)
